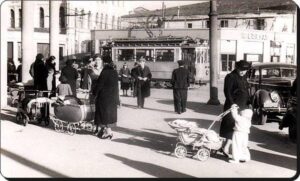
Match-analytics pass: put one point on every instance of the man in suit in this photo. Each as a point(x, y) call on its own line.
point(180, 82)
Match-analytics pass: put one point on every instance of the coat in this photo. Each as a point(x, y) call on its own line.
point(236, 92)
point(143, 86)
point(71, 74)
point(40, 75)
point(106, 91)
point(180, 78)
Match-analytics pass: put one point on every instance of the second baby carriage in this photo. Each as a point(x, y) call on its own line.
point(196, 141)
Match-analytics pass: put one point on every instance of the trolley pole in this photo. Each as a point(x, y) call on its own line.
point(213, 45)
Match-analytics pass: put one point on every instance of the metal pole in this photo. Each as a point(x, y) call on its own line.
point(213, 38)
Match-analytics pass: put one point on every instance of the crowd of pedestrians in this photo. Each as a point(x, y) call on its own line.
point(100, 78)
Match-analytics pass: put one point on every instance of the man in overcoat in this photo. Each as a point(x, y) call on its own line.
point(180, 82)
point(143, 77)
point(236, 92)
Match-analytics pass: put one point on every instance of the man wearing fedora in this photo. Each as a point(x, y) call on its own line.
point(236, 92)
point(142, 77)
point(180, 83)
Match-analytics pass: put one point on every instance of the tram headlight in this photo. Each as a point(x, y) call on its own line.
point(274, 96)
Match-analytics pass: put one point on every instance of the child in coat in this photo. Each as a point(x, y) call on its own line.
point(240, 151)
point(63, 89)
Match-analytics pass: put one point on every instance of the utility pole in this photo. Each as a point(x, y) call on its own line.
point(213, 38)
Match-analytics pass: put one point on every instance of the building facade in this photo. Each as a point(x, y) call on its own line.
point(256, 31)
point(76, 20)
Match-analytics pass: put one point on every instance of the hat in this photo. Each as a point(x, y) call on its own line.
point(142, 59)
point(70, 62)
point(180, 62)
point(242, 65)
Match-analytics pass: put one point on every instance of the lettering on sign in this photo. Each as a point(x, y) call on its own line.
point(254, 36)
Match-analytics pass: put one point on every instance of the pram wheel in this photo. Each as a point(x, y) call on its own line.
point(71, 128)
point(203, 154)
point(47, 122)
point(180, 151)
point(19, 117)
point(58, 126)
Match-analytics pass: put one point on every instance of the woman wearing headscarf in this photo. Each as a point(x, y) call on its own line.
point(71, 74)
point(106, 91)
point(236, 92)
point(125, 78)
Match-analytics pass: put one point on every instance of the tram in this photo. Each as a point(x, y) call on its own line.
point(162, 54)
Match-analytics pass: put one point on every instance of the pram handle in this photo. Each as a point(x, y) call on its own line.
point(220, 117)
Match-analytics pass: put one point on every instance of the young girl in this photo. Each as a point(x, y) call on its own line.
point(63, 89)
point(240, 151)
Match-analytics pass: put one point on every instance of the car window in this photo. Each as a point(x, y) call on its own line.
point(270, 73)
point(291, 73)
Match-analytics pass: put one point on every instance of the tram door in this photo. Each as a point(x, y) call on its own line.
point(189, 56)
point(202, 64)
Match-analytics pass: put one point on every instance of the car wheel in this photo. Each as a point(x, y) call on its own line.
point(292, 131)
point(261, 117)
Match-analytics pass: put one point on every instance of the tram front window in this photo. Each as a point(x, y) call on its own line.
point(165, 55)
point(126, 55)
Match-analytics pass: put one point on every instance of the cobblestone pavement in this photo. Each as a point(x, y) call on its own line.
point(142, 145)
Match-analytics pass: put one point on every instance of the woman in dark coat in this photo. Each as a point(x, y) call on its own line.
point(142, 77)
point(236, 92)
point(71, 74)
point(40, 73)
point(107, 99)
point(125, 78)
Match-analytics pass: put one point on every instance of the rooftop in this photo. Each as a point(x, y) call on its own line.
point(226, 7)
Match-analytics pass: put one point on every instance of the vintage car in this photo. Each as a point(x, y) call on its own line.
point(269, 88)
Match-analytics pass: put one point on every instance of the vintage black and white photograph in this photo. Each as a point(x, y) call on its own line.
point(148, 89)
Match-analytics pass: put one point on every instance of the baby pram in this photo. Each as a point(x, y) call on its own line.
point(32, 107)
point(193, 140)
point(70, 115)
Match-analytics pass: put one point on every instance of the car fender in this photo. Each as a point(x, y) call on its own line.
point(260, 97)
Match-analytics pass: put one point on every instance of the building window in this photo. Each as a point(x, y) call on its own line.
point(224, 23)
point(20, 18)
point(97, 20)
point(12, 18)
point(105, 24)
point(260, 24)
point(62, 18)
point(207, 24)
point(42, 18)
point(228, 62)
point(101, 20)
point(119, 23)
point(89, 20)
point(43, 48)
point(113, 22)
point(190, 25)
point(75, 17)
point(19, 50)
point(81, 19)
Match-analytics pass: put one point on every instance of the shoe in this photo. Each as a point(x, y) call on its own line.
point(108, 136)
point(100, 133)
point(179, 112)
point(280, 127)
point(224, 153)
point(139, 107)
point(246, 160)
point(233, 161)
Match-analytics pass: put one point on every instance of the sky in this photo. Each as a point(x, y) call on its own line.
point(152, 5)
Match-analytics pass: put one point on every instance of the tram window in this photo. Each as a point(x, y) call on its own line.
point(125, 55)
point(165, 55)
point(146, 53)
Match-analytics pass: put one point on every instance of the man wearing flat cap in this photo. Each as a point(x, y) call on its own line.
point(236, 92)
point(180, 83)
point(71, 74)
point(142, 76)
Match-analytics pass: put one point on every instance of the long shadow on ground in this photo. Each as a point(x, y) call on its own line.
point(198, 107)
point(149, 168)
